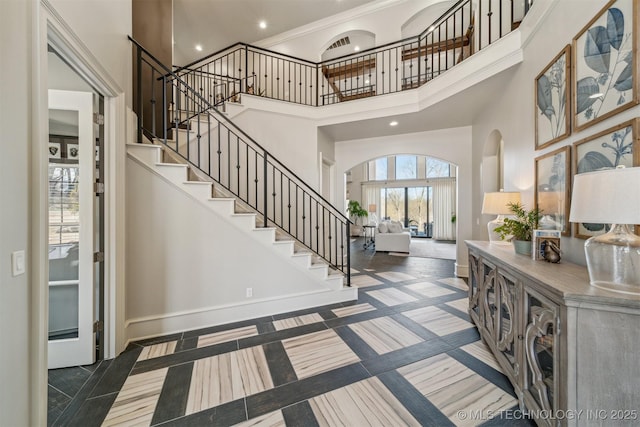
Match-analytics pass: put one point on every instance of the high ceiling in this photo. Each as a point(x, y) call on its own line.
point(216, 24)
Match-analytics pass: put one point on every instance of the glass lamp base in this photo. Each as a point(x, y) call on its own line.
point(494, 238)
point(613, 260)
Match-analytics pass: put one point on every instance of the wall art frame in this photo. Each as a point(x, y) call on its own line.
point(553, 100)
point(616, 146)
point(605, 64)
point(553, 189)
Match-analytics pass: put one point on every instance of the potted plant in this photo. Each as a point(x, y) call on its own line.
point(520, 227)
point(355, 213)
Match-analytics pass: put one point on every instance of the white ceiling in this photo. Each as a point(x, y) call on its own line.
point(216, 24)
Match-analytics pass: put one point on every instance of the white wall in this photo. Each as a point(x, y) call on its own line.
point(16, 143)
point(511, 112)
point(451, 145)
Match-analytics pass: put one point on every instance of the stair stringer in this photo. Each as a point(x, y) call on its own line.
point(202, 281)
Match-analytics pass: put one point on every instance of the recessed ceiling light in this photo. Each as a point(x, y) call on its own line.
point(199, 47)
point(262, 24)
point(393, 123)
point(357, 48)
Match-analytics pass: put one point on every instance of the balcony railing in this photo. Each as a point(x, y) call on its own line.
point(466, 28)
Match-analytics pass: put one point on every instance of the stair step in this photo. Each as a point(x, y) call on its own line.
point(268, 234)
point(285, 246)
point(248, 220)
point(302, 258)
point(321, 271)
point(223, 205)
point(175, 172)
point(335, 281)
point(148, 153)
point(198, 189)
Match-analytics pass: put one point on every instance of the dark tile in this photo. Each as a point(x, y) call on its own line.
point(224, 415)
point(299, 415)
point(419, 406)
point(172, 402)
point(186, 344)
point(460, 338)
point(92, 412)
point(91, 368)
point(496, 377)
point(56, 404)
point(159, 340)
point(183, 357)
point(68, 380)
point(265, 328)
point(270, 400)
point(359, 317)
point(282, 371)
point(405, 356)
point(280, 335)
point(357, 344)
point(79, 399)
point(117, 372)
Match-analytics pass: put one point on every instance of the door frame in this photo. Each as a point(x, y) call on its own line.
point(49, 28)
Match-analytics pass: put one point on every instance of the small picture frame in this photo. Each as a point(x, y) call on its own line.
point(72, 151)
point(613, 147)
point(605, 64)
point(552, 189)
point(553, 101)
point(541, 239)
point(55, 150)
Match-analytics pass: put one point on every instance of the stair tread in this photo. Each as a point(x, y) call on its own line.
point(172, 164)
point(198, 182)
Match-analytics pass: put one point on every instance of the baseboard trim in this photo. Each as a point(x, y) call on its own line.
point(461, 270)
point(176, 322)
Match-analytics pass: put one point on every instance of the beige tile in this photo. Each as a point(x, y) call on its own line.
point(456, 282)
point(157, 350)
point(453, 387)
point(292, 322)
point(137, 399)
point(365, 403)
point(272, 419)
point(363, 281)
point(318, 352)
point(224, 336)
point(391, 296)
point(480, 351)
point(226, 377)
point(385, 334)
point(437, 321)
point(353, 309)
point(429, 290)
point(395, 276)
point(460, 304)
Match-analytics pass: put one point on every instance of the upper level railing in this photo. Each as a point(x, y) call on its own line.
point(179, 110)
point(466, 28)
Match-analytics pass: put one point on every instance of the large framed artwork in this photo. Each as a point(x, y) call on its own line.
point(552, 189)
point(605, 64)
point(552, 101)
point(617, 146)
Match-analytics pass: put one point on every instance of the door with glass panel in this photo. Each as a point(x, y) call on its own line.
point(73, 232)
point(419, 211)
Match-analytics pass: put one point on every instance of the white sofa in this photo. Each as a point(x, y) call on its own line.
point(391, 236)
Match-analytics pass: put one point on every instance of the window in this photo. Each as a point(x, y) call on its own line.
point(406, 167)
point(437, 168)
point(378, 169)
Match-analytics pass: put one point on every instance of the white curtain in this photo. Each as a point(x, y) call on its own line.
point(371, 196)
point(444, 206)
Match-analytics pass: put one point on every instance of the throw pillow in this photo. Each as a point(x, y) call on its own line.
point(395, 227)
point(383, 227)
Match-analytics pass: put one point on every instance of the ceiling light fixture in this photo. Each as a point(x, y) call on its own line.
point(262, 24)
point(357, 48)
point(199, 47)
point(393, 123)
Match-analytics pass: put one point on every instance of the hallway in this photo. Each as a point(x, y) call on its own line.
point(403, 354)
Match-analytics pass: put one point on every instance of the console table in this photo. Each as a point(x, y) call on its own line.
point(571, 351)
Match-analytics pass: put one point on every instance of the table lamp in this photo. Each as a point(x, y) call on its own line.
point(610, 196)
point(496, 203)
point(373, 219)
point(550, 204)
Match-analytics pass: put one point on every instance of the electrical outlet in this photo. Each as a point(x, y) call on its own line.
point(249, 292)
point(17, 263)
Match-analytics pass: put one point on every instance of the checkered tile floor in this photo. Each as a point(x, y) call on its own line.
point(405, 353)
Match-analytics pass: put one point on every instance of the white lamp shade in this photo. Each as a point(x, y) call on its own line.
point(610, 196)
point(497, 203)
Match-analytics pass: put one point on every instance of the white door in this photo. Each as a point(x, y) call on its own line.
point(71, 229)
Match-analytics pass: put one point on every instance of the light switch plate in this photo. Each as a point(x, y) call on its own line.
point(17, 263)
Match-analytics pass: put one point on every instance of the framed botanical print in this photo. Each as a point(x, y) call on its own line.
point(553, 101)
point(617, 146)
point(72, 151)
point(55, 150)
point(605, 64)
point(552, 189)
